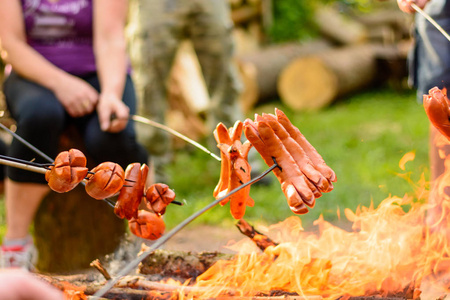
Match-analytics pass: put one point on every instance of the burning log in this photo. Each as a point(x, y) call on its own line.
point(261, 240)
point(78, 287)
point(178, 263)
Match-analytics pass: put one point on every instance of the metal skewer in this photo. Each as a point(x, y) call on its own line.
point(143, 120)
point(430, 19)
point(29, 166)
point(19, 138)
point(134, 263)
point(23, 166)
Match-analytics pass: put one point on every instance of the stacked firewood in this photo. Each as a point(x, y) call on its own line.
point(354, 50)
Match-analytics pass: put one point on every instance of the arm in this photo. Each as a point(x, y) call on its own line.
point(111, 57)
point(17, 284)
point(28, 63)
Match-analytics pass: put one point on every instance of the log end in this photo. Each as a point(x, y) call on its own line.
point(307, 84)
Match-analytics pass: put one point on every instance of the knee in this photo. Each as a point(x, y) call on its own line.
point(41, 116)
point(121, 149)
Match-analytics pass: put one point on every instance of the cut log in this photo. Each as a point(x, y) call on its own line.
point(267, 14)
point(245, 41)
point(339, 27)
point(260, 70)
point(315, 81)
point(187, 95)
point(245, 14)
point(235, 3)
point(187, 76)
point(397, 21)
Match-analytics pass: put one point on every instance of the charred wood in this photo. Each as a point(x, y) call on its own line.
point(261, 240)
point(179, 264)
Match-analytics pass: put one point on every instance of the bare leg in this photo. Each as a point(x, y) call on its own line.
point(22, 202)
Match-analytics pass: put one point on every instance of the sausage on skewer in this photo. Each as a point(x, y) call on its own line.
point(312, 153)
point(68, 171)
point(147, 225)
point(437, 108)
point(301, 158)
point(158, 196)
point(105, 180)
point(131, 193)
point(293, 182)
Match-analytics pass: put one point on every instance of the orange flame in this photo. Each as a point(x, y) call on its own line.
point(398, 248)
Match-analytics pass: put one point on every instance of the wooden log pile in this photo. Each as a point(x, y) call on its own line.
point(354, 51)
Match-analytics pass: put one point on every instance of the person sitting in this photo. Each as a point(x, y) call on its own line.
point(69, 67)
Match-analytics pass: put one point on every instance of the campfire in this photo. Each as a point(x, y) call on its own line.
point(397, 250)
point(389, 253)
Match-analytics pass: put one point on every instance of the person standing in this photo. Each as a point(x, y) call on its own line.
point(158, 27)
point(69, 67)
point(429, 66)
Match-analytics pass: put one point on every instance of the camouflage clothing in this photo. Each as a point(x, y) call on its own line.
point(157, 28)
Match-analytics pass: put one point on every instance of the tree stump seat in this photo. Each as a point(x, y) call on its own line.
point(72, 229)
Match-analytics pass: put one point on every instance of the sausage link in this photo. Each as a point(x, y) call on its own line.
point(436, 105)
point(105, 181)
point(291, 178)
point(131, 193)
point(239, 170)
point(315, 157)
point(301, 158)
point(222, 137)
point(147, 225)
point(158, 196)
point(68, 171)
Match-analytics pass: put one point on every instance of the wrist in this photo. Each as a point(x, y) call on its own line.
point(55, 80)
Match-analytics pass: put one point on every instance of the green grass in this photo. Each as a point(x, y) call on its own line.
point(362, 137)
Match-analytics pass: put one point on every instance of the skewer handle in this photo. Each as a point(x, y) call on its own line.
point(23, 166)
point(431, 20)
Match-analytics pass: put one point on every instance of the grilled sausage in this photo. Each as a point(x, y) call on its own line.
point(292, 180)
point(105, 180)
point(301, 158)
point(68, 171)
point(158, 196)
point(312, 153)
point(147, 225)
point(131, 193)
point(437, 108)
point(239, 173)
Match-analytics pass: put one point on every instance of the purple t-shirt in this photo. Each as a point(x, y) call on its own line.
point(61, 31)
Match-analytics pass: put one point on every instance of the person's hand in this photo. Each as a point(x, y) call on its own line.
point(405, 5)
point(77, 96)
point(16, 284)
point(112, 113)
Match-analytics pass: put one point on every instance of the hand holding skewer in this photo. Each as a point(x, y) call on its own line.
point(410, 6)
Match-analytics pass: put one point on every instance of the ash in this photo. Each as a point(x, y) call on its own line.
point(127, 251)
